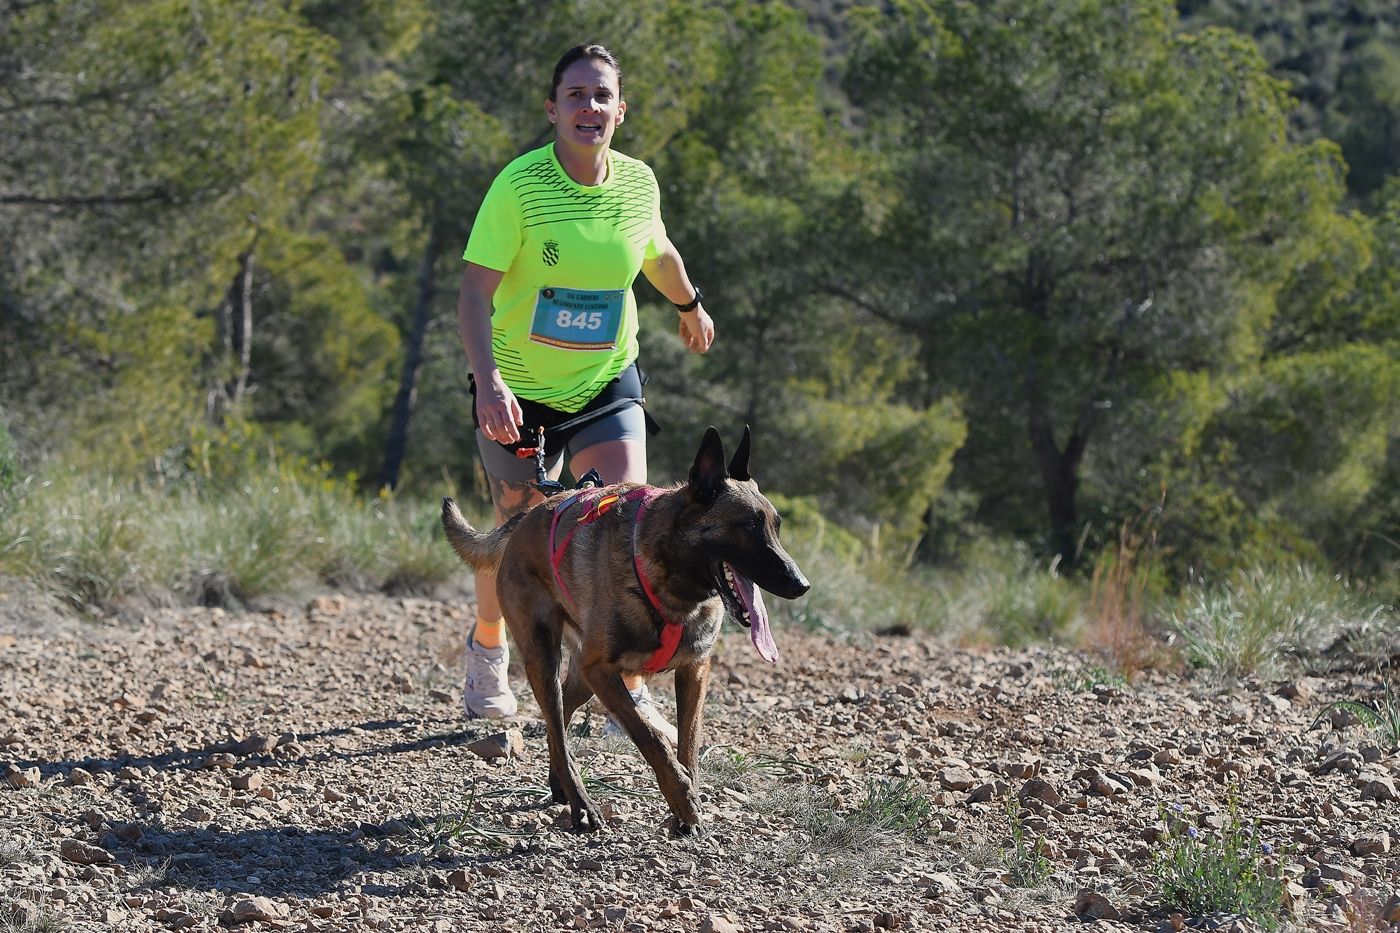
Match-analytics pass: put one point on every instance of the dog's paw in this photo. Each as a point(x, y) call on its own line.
point(586, 818)
point(694, 830)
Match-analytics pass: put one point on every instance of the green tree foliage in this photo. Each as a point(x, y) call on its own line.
point(1342, 63)
point(1305, 443)
point(149, 150)
point(1350, 400)
point(1081, 201)
point(322, 356)
point(750, 189)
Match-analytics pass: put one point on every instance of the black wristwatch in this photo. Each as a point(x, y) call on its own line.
point(692, 304)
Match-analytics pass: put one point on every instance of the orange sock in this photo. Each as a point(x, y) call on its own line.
point(633, 682)
point(489, 633)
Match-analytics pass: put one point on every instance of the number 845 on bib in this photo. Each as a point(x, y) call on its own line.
point(578, 319)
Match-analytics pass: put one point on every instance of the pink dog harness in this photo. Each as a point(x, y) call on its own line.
point(599, 502)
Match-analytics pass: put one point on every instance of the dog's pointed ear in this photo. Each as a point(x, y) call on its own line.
point(739, 466)
point(708, 473)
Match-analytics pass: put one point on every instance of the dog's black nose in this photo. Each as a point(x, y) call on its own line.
point(798, 585)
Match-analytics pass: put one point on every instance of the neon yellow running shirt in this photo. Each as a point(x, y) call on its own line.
point(564, 321)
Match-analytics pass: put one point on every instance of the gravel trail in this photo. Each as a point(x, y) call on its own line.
point(309, 769)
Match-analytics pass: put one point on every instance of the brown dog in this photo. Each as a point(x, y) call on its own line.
point(639, 579)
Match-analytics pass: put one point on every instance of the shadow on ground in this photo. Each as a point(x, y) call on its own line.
point(181, 759)
point(289, 860)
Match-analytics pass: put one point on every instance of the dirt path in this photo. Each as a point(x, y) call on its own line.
point(309, 769)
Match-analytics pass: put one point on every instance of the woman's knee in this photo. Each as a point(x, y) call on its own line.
point(616, 461)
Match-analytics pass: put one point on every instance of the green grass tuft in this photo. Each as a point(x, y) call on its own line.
point(1383, 717)
point(844, 844)
point(724, 767)
point(276, 533)
point(897, 806)
point(1087, 675)
point(1265, 622)
point(1022, 857)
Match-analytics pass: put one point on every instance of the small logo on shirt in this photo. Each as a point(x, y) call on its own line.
point(551, 252)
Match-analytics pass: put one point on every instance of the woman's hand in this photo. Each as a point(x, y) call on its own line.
point(497, 410)
point(697, 330)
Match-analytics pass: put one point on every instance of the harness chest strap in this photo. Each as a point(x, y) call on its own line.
point(671, 630)
point(601, 501)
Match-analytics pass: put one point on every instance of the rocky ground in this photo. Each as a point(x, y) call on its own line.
point(309, 769)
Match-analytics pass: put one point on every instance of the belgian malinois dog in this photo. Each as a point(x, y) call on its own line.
point(638, 579)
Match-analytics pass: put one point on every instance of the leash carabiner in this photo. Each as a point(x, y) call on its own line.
point(542, 481)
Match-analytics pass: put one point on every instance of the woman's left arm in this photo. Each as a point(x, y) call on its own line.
point(667, 273)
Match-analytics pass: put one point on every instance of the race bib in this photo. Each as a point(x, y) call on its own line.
point(574, 319)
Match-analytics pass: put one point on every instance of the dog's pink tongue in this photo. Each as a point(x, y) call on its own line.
point(759, 630)
point(761, 634)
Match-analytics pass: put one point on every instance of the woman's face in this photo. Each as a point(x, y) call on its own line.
point(587, 105)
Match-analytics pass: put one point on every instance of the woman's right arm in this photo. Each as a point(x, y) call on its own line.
point(497, 409)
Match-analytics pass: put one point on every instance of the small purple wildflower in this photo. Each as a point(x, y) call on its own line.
point(1266, 848)
point(1178, 807)
point(1193, 832)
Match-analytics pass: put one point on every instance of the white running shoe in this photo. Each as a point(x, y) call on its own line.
point(649, 712)
point(486, 692)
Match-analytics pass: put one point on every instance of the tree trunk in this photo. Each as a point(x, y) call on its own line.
point(1059, 472)
point(233, 333)
point(1059, 469)
point(243, 328)
point(412, 364)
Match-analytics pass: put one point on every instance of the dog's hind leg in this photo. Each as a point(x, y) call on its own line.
point(536, 626)
point(692, 682)
point(676, 786)
point(576, 691)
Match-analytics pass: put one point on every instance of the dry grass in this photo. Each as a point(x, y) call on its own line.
point(1124, 596)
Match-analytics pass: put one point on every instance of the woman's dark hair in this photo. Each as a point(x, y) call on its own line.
point(595, 52)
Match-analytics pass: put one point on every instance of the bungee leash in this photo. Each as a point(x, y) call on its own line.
point(542, 481)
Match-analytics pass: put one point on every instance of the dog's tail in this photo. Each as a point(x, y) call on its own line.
point(481, 550)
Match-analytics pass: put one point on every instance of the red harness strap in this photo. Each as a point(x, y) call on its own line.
point(671, 630)
point(601, 501)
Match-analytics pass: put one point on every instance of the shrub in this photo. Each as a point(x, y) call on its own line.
point(9, 460)
point(1007, 596)
point(1201, 872)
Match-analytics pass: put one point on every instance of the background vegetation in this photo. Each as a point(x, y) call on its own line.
point(1100, 293)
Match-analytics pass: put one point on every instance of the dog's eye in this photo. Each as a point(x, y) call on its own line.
point(754, 524)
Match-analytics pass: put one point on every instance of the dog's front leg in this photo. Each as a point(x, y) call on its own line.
point(675, 784)
point(692, 682)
